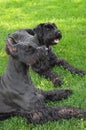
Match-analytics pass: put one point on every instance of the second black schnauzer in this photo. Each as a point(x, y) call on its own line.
point(48, 34)
point(18, 94)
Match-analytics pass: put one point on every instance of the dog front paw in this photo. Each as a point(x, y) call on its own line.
point(80, 72)
point(57, 81)
point(63, 94)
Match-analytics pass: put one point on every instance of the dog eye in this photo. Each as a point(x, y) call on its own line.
point(28, 48)
point(31, 49)
point(47, 28)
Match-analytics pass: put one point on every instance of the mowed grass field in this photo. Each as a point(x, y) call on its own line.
point(70, 17)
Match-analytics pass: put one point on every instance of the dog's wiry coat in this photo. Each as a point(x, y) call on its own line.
point(48, 34)
point(18, 95)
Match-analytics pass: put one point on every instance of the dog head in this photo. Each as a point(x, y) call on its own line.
point(24, 47)
point(48, 34)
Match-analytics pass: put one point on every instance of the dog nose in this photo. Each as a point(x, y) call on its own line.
point(58, 34)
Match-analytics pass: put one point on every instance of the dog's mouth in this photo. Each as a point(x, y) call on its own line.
point(57, 37)
point(55, 41)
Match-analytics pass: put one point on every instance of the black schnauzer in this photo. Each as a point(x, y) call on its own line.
point(18, 95)
point(48, 34)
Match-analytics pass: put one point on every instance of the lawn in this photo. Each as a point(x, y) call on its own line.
point(70, 17)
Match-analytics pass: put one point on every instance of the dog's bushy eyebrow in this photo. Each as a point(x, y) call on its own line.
point(26, 47)
point(49, 25)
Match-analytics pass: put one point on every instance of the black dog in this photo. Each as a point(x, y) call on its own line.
point(18, 95)
point(48, 34)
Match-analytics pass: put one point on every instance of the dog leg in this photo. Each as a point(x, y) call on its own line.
point(56, 95)
point(53, 77)
point(53, 60)
point(45, 114)
point(69, 67)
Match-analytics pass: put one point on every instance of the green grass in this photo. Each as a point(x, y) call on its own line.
point(70, 17)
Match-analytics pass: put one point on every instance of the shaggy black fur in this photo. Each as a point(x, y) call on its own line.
point(18, 95)
point(48, 34)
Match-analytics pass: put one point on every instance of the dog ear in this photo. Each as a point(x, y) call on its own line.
point(39, 31)
point(30, 31)
point(54, 25)
point(10, 47)
point(38, 28)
